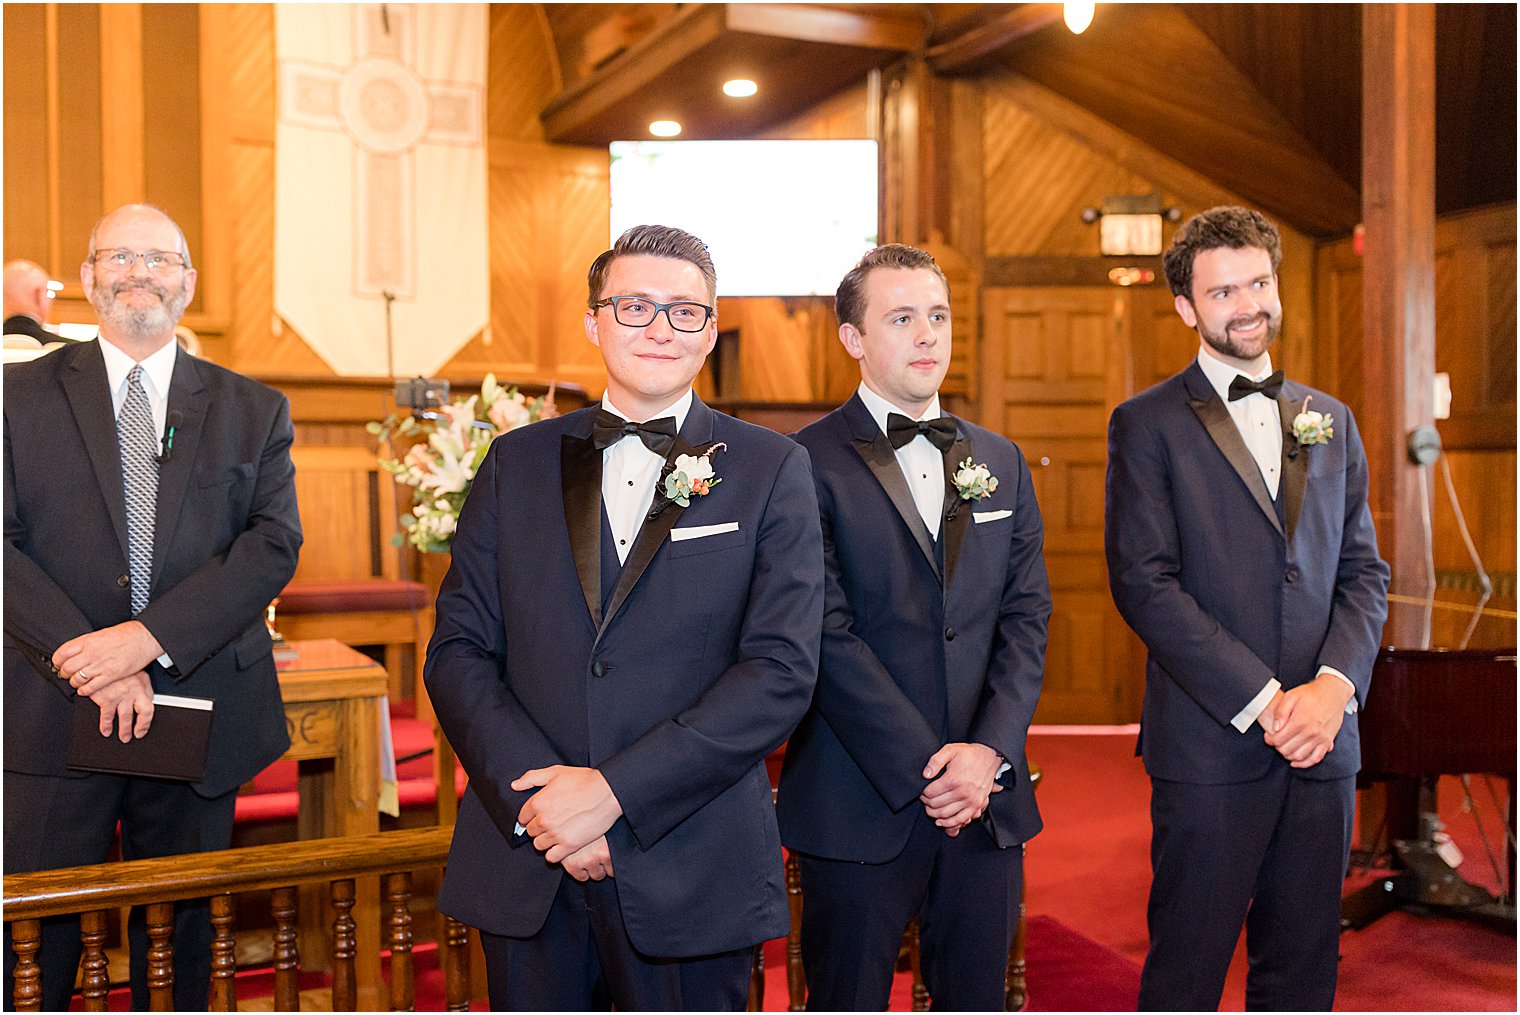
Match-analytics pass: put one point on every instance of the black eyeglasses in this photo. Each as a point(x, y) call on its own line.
point(160, 262)
point(638, 312)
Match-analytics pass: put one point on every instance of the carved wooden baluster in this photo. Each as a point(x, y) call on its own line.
point(757, 980)
point(223, 959)
point(1016, 992)
point(920, 992)
point(95, 981)
point(345, 989)
point(456, 965)
point(159, 917)
point(287, 957)
point(796, 985)
point(26, 937)
point(398, 897)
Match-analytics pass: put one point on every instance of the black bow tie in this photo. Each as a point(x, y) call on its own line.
point(1242, 386)
point(658, 435)
point(901, 430)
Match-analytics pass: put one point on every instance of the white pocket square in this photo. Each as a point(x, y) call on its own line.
point(990, 516)
point(698, 531)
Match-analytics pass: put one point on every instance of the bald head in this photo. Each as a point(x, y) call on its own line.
point(129, 215)
point(26, 291)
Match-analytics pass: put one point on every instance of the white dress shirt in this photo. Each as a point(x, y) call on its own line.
point(1259, 421)
point(629, 473)
point(158, 371)
point(922, 463)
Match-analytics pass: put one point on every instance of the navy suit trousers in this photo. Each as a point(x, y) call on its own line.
point(1269, 854)
point(965, 892)
point(582, 960)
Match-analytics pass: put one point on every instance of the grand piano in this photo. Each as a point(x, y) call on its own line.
point(1434, 712)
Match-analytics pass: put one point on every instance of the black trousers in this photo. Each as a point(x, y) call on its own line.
point(965, 893)
point(1269, 854)
point(582, 960)
point(53, 822)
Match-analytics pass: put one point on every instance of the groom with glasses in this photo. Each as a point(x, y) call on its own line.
point(629, 627)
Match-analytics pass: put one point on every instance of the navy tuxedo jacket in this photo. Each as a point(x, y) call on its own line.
point(675, 682)
point(922, 645)
point(225, 542)
point(1225, 593)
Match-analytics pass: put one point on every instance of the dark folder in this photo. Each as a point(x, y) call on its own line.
point(173, 748)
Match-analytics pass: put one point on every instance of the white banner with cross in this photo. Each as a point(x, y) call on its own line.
point(380, 182)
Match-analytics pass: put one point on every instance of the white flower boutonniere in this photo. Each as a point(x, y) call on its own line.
point(974, 482)
point(692, 476)
point(1312, 427)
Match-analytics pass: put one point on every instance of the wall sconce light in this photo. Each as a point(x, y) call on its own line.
point(1078, 16)
point(1129, 225)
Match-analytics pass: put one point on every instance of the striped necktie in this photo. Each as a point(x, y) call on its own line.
point(139, 477)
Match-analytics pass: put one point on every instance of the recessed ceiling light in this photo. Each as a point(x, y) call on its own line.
point(740, 88)
point(664, 128)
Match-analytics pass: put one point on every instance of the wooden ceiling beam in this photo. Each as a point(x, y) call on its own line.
point(972, 48)
point(1150, 71)
point(810, 51)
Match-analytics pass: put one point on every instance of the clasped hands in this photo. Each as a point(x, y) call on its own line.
point(109, 667)
point(568, 818)
point(1301, 723)
point(964, 779)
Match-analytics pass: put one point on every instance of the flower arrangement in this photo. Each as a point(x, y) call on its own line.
point(441, 468)
point(1312, 427)
point(974, 482)
point(692, 476)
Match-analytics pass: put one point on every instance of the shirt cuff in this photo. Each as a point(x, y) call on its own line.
point(168, 663)
point(1350, 705)
point(1246, 716)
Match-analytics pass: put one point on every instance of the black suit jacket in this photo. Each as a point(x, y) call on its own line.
point(1224, 593)
point(226, 538)
point(21, 324)
point(915, 654)
point(674, 676)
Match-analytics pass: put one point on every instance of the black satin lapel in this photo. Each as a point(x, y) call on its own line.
point(657, 525)
point(1216, 419)
point(882, 461)
point(580, 475)
point(1295, 465)
point(957, 515)
point(188, 398)
point(89, 394)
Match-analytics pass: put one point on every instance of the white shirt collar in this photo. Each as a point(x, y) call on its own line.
point(880, 408)
point(158, 368)
point(679, 408)
point(1220, 373)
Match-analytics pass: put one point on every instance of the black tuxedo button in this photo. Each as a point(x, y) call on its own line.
point(599, 669)
point(949, 634)
point(1292, 575)
point(122, 581)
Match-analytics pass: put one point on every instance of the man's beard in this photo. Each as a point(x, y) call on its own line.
point(140, 322)
point(1224, 343)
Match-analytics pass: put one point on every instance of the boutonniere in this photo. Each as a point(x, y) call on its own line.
point(974, 482)
point(691, 476)
point(1312, 427)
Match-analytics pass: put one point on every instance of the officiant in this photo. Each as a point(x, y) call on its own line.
point(150, 517)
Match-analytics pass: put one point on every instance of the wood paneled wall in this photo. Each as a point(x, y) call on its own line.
point(1475, 344)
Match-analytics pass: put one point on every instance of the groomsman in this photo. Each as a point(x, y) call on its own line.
point(905, 790)
point(1241, 550)
point(629, 627)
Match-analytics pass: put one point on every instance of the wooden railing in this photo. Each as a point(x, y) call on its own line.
point(279, 869)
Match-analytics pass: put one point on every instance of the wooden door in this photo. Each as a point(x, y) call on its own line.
point(1057, 359)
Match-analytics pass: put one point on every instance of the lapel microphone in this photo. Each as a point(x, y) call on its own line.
point(171, 424)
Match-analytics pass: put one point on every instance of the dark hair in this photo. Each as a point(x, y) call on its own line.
point(1225, 226)
point(850, 298)
point(652, 241)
